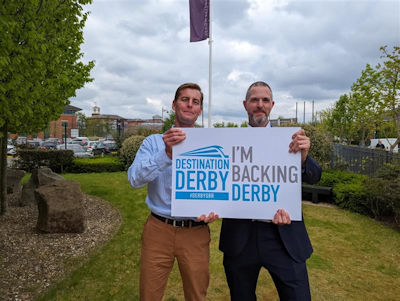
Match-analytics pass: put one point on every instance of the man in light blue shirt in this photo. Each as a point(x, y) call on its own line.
point(165, 238)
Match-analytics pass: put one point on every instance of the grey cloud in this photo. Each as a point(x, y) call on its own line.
point(305, 50)
point(226, 13)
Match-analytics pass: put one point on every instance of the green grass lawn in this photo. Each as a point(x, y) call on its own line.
point(355, 258)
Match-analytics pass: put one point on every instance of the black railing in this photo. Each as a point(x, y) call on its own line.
point(361, 159)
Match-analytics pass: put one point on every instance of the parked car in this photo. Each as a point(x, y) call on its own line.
point(54, 140)
point(79, 150)
point(111, 146)
point(11, 150)
point(34, 143)
point(80, 140)
point(91, 145)
point(48, 145)
point(20, 140)
point(100, 149)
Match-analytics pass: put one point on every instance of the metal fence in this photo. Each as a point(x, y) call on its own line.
point(360, 159)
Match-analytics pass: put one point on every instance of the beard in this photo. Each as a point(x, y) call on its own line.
point(259, 121)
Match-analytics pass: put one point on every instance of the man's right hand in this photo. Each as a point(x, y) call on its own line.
point(171, 137)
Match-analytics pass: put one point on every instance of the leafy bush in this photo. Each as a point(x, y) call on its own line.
point(129, 149)
point(56, 160)
point(168, 122)
point(383, 196)
point(98, 164)
point(138, 131)
point(321, 143)
point(142, 131)
point(348, 189)
point(351, 196)
point(332, 177)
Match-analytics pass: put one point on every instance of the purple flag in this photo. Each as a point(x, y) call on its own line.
point(199, 19)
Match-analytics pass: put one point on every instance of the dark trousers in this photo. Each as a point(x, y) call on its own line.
point(265, 249)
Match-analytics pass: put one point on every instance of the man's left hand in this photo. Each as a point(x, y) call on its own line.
point(208, 219)
point(300, 142)
point(281, 218)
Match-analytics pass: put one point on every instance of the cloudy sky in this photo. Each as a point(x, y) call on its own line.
point(306, 50)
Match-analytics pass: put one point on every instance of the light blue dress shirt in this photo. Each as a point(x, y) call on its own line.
point(153, 167)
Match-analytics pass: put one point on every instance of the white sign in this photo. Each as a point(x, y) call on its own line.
point(236, 173)
point(74, 133)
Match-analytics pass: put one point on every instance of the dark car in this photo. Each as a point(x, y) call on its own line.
point(111, 146)
point(99, 149)
point(49, 145)
point(33, 143)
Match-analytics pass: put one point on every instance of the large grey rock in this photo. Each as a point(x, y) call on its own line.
point(14, 177)
point(40, 176)
point(44, 176)
point(14, 187)
point(28, 195)
point(60, 206)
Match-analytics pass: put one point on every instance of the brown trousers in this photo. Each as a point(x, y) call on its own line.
point(161, 243)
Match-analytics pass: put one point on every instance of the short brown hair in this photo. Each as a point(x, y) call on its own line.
point(188, 86)
point(258, 84)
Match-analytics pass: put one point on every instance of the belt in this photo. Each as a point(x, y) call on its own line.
point(179, 223)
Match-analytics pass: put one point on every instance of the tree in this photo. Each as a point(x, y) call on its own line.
point(168, 122)
point(365, 102)
point(81, 120)
point(389, 87)
point(338, 119)
point(223, 125)
point(40, 66)
point(98, 128)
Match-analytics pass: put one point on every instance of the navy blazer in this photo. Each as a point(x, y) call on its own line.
point(236, 232)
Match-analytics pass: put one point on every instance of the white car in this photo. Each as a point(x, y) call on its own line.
point(11, 150)
point(91, 145)
point(79, 150)
point(80, 140)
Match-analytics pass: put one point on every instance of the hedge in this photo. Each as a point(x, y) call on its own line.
point(383, 197)
point(57, 160)
point(97, 164)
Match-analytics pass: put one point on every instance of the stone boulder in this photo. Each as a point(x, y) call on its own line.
point(60, 206)
point(40, 176)
point(14, 187)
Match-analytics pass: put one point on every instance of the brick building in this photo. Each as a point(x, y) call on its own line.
point(56, 128)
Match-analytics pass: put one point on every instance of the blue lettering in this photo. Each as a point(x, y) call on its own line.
point(265, 193)
point(223, 178)
point(235, 192)
point(246, 192)
point(201, 178)
point(180, 179)
point(275, 191)
point(190, 179)
point(255, 189)
point(212, 180)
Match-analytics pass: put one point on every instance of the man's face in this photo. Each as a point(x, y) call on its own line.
point(259, 106)
point(187, 107)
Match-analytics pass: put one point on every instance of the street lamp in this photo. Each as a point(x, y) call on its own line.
point(65, 125)
point(119, 128)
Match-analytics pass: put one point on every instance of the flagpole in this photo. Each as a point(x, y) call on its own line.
point(209, 66)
